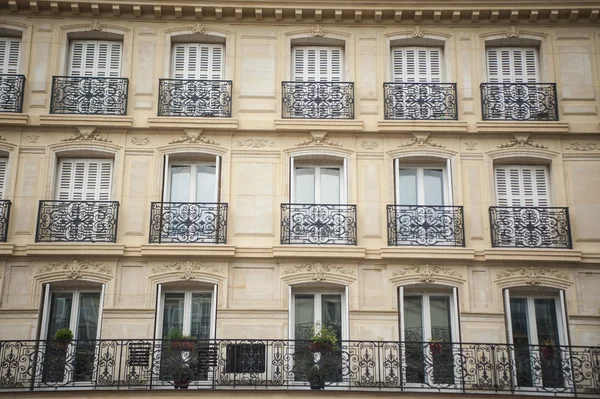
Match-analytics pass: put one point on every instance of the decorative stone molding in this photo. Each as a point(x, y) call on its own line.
point(198, 28)
point(87, 134)
point(193, 136)
point(318, 31)
point(188, 269)
point(95, 25)
point(417, 32)
point(512, 32)
point(75, 268)
point(421, 140)
point(533, 275)
point(33, 139)
point(522, 141)
point(318, 270)
point(584, 147)
point(369, 146)
point(471, 146)
point(256, 143)
point(2, 138)
point(140, 141)
point(427, 273)
point(320, 139)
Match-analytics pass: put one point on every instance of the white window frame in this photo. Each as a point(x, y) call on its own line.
point(95, 69)
point(212, 69)
point(317, 306)
point(446, 182)
point(534, 198)
point(10, 62)
point(322, 73)
point(343, 179)
point(169, 163)
point(422, 70)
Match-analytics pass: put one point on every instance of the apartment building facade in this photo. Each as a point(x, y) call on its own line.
point(422, 180)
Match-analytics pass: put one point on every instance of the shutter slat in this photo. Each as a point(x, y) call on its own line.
point(9, 55)
point(318, 64)
point(101, 58)
point(522, 186)
point(198, 61)
point(3, 166)
point(84, 180)
point(512, 65)
point(417, 64)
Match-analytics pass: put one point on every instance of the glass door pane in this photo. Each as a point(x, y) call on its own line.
point(330, 186)
point(441, 334)
point(549, 341)
point(413, 337)
point(55, 359)
point(331, 316)
point(200, 323)
point(173, 313)
point(180, 183)
point(407, 187)
point(305, 186)
point(60, 313)
point(206, 183)
point(87, 330)
point(304, 320)
point(519, 315)
point(433, 187)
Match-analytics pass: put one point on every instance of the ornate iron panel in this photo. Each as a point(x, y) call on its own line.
point(4, 218)
point(188, 222)
point(77, 221)
point(519, 101)
point(89, 95)
point(420, 101)
point(206, 98)
point(12, 88)
point(425, 225)
point(530, 227)
point(318, 224)
point(282, 364)
point(318, 100)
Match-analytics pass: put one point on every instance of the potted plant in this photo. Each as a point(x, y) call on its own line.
point(180, 342)
point(316, 378)
point(323, 339)
point(63, 338)
point(182, 375)
point(435, 346)
point(547, 348)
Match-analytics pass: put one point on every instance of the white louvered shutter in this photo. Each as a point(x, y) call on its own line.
point(318, 64)
point(197, 61)
point(9, 55)
point(3, 166)
point(84, 179)
point(512, 65)
point(417, 64)
point(100, 58)
point(522, 186)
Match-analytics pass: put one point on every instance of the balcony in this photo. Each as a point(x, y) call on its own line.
point(4, 218)
point(519, 101)
point(369, 366)
point(425, 225)
point(85, 95)
point(77, 221)
point(200, 98)
point(187, 222)
point(317, 100)
point(420, 101)
point(530, 227)
point(12, 88)
point(318, 224)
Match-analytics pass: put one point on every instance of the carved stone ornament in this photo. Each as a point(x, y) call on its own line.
point(584, 147)
point(522, 142)
point(318, 31)
point(471, 146)
point(198, 28)
point(193, 136)
point(188, 269)
point(95, 25)
point(140, 141)
point(318, 138)
point(421, 140)
point(256, 143)
point(33, 139)
point(75, 268)
point(427, 273)
point(512, 32)
point(318, 270)
point(533, 275)
point(369, 146)
point(417, 32)
point(2, 138)
point(87, 134)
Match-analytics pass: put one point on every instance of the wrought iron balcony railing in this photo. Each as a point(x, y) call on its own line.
point(4, 218)
point(12, 88)
point(188, 222)
point(318, 224)
point(530, 227)
point(203, 98)
point(519, 101)
point(317, 100)
point(89, 95)
point(77, 221)
point(425, 225)
point(420, 101)
point(393, 366)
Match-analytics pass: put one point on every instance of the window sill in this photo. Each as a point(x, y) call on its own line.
point(533, 254)
point(10, 118)
point(413, 252)
point(85, 120)
point(522, 127)
point(67, 248)
point(319, 251)
point(448, 126)
point(175, 122)
point(222, 250)
point(347, 125)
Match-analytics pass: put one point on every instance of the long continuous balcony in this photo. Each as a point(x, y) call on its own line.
point(187, 222)
point(4, 218)
point(318, 224)
point(317, 100)
point(420, 101)
point(519, 101)
point(530, 227)
point(453, 368)
point(89, 95)
point(12, 88)
point(201, 98)
point(425, 225)
point(77, 221)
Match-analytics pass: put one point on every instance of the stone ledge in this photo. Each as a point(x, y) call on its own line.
point(6, 248)
point(532, 254)
point(319, 251)
point(174, 122)
point(522, 127)
point(412, 252)
point(65, 249)
point(13, 119)
point(450, 126)
point(85, 120)
point(221, 250)
point(329, 125)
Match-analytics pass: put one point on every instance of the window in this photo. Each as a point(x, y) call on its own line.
point(84, 179)
point(512, 65)
point(318, 181)
point(522, 186)
point(416, 64)
point(3, 175)
point(317, 64)
point(192, 179)
point(422, 185)
point(197, 61)
point(98, 58)
point(9, 55)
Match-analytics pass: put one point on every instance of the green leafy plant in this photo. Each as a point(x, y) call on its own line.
point(323, 339)
point(179, 341)
point(63, 338)
point(182, 375)
point(316, 377)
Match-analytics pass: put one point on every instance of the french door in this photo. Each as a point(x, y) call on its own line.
point(421, 186)
point(192, 182)
point(318, 185)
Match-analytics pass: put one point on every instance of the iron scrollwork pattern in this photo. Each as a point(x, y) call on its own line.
point(425, 225)
point(200, 98)
point(4, 218)
point(420, 101)
point(318, 224)
point(519, 101)
point(188, 222)
point(530, 227)
point(77, 221)
point(12, 88)
point(89, 95)
point(318, 100)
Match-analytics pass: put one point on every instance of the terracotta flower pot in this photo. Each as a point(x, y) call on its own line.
point(547, 351)
point(320, 347)
point(182, 345)
point(62, 345)
point(435, 348)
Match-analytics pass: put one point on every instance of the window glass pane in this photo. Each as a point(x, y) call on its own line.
point(407, 184)
point(440, 318)
point(180, 183)
point(304, 314)
point(519, 317)
point(201, 305)
point(305, 185)
point(206, 183)
point(331, 313)
point(89, 308)
point(60, 312)
point(433, 186)
point(413, 319)
point(545, 320)
point(172, 313)
point(330, 186)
